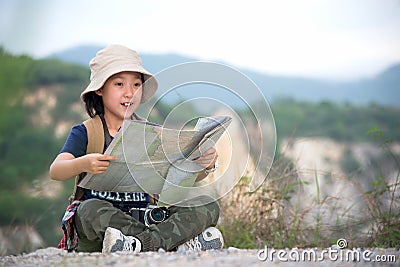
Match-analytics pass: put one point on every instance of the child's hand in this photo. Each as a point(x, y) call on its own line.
point(97, 163)
point(208, 158)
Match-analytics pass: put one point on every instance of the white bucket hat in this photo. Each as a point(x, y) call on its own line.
point(114, 59)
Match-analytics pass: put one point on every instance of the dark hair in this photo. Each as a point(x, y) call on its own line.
point(93, 104)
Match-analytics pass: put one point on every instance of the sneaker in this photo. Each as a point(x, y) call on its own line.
point(115, 241)
point(209, 239)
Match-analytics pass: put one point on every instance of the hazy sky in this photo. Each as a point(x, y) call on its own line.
point(335, 39)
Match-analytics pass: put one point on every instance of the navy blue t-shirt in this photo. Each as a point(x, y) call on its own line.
point(76, 144)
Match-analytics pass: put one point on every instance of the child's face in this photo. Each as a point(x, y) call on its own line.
point(120, 93)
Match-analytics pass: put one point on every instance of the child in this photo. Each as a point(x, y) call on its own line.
point(102, 220)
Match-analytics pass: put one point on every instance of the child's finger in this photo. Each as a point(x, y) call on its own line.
point(107, 157)
point(210, 151)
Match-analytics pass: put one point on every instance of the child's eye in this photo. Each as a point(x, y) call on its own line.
point(138, 84)
point(119, 84)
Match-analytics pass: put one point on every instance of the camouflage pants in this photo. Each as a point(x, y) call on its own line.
point(94, 216)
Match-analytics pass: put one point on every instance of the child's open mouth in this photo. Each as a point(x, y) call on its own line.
point(126, 104)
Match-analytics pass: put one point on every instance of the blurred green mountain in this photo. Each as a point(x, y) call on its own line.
point(383, 89)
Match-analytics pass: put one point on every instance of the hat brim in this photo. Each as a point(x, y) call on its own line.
point(149, 87)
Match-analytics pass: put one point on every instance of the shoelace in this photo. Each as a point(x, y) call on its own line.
point(128, 244)
point(194, 244)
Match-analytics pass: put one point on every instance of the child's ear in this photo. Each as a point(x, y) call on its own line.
point(99, 92)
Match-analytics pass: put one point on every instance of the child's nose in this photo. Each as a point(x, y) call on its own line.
point(130, 90)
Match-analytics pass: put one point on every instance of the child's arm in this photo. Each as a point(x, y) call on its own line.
point(66, 166)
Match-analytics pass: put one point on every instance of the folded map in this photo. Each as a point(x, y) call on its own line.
point(155, 159)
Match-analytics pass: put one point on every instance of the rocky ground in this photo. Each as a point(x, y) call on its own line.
point(226, 257)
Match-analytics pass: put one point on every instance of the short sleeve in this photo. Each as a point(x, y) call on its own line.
point(76, 142)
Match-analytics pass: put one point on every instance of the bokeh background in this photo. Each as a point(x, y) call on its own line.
point(329, 69)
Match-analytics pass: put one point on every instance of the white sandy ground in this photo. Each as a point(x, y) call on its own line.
point(227, 257)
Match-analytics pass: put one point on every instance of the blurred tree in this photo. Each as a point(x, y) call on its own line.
point(27, 148)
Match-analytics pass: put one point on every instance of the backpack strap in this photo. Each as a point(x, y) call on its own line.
point(95, 134)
